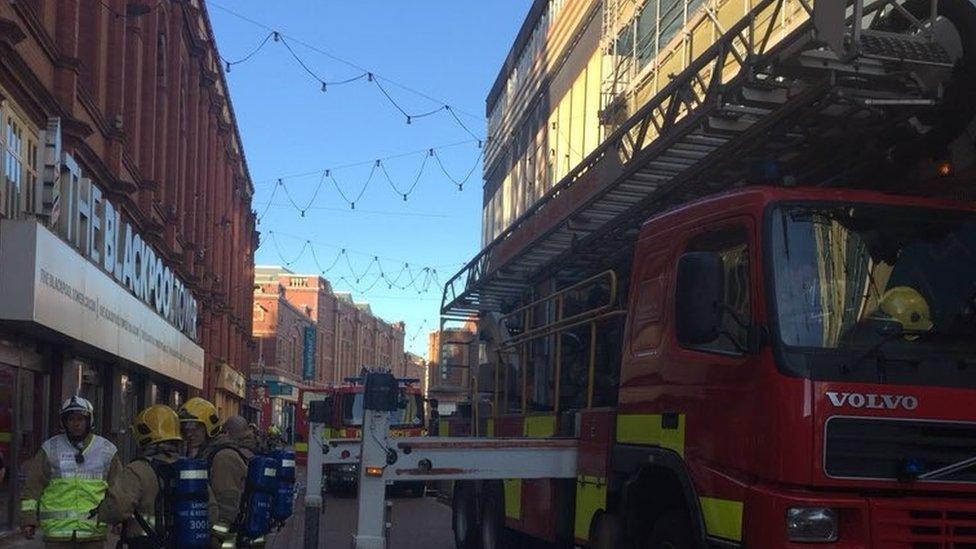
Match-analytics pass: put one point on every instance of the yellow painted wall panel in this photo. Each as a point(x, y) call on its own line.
point(562, 136)
point(730, 12)
point(671, 66)
point(594, 73)
point(702, 37)
point(577, 120)
point(552, 153)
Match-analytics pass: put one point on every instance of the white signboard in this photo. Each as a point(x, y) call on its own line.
point(96, 229)
point(44, 280)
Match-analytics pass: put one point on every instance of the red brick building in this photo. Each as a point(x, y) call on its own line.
point(449, 362)
point(347, 334)
point(126, 231)
point(280, 330)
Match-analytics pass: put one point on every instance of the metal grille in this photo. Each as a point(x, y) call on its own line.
point(923, 525)
point(880, 448)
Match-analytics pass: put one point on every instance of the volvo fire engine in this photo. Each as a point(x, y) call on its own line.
point(746, 320)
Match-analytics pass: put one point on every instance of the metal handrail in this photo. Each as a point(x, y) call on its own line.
point(609, 274)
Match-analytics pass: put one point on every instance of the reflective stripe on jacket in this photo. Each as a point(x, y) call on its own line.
point(74, 489)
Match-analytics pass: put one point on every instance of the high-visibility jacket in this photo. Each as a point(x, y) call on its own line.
point(60, 493)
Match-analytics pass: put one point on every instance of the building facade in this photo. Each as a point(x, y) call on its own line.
point(450, 353)
point(281, 333)
point(576, 71)
point(348, 334)
point(126, 231)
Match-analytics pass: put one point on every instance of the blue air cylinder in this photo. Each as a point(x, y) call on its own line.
point(191, 521)
point(285, 490)
point(262, 474)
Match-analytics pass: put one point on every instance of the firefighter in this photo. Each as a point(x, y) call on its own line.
point(67, 479)
point(274, 438)
point(201, 428)
point(136, 490)
point(243, 434)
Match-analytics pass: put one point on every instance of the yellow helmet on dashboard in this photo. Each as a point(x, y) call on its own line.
point(203, 411)
point(906, 306)
point(157, 423)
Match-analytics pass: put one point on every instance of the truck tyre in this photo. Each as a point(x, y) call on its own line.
point(493, 532)
point(464, 516)
point(417, 489)
point(672, 530)
point(607, 532)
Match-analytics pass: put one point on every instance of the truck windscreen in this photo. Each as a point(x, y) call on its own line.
point(411, 415)
point(875, 292)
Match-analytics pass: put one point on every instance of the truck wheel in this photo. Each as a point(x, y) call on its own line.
point(464, 517)
point(672, 530)
point(607, 532)
point(417, 489)
point(494, 535)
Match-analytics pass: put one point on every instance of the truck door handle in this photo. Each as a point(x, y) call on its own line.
point(669, 420)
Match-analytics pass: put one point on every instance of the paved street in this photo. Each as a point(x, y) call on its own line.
point(417, 523)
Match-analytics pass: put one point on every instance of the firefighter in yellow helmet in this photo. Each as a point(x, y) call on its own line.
point(905, 305)
point(135, 492)
point(67, 479)
point(227, 460)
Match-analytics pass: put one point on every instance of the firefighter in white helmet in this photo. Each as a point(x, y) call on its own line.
point(67, 480)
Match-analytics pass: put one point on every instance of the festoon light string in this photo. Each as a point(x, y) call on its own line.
point(420, 280)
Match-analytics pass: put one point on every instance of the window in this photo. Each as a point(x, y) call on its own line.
point(12, 164)
point(20, 157)
point(293, 358)
point(732, 245)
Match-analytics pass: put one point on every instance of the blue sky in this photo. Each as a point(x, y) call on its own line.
point(448, 50)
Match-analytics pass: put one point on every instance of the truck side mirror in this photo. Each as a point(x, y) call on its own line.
point(698, 298)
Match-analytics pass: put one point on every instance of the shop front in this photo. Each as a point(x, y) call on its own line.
point(86, 308)
point(276, 398)
point(231, 391)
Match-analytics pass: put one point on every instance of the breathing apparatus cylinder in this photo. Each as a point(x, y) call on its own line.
point(285, 489)
point(259, 493)
point(191, 497)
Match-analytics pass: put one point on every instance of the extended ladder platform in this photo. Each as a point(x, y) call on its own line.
point(383, 459)
point(815, 105)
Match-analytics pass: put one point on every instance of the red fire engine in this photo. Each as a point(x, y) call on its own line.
point(748, 319)
point(753, 307)
point(346, 423)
